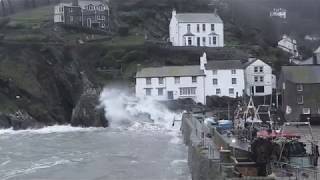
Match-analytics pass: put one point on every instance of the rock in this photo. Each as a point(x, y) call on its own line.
point(86, 112)
point(19, 120)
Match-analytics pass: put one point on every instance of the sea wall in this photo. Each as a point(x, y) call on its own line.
point(206, 162)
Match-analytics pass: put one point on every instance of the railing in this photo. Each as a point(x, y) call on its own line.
point(287, 171)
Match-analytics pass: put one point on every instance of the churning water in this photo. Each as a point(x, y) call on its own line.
point(133, 148)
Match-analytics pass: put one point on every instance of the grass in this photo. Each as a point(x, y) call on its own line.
point(34, 16)
point(130, 40)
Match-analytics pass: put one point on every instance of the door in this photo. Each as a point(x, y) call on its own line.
point(198, 41)
point(170, 95)
point(89, 22)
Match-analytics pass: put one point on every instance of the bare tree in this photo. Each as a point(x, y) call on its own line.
point(10, 6)
point(3, 6)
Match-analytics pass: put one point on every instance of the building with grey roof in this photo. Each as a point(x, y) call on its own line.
point(196, 29)
point(300, 96)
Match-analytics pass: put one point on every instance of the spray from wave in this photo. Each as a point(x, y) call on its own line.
point(125, 110)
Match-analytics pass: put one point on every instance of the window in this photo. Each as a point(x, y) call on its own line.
point(188, 27)
point(212, 27)
point(234, 80)
point(256, 78)
point(187, 91)
point(305, 110)
point(176, 80)
point(71, 10)
point(160, 91)
point(160, 79)
point(214, 72)
point(218, 91)
point(71, 18)
point(300, 99)
point(203, 27)
point(259, 89)
point(214, 81)
point(103, 25)
point(300, 87)
point(189, 41)
point(148, 91)
point(255, 69)
point(204, 41)
point(214, 40)
point(231, 91)
point(148, 81)
point(261, 69)
point(198, 27)
point(194, 79)
point(261, 78)
point(233, 71)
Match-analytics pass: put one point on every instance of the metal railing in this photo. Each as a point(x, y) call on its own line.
point(285, 171)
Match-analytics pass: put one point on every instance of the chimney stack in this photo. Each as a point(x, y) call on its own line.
point(174, 12)
point(203, 61)
point(315, 59)
point(75, 3)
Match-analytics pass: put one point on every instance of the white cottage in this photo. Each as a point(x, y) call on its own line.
point(196, 29)
point(223, 78)
point(171, 82)
point(289, 45)
point(279, 12)
point(259, 78)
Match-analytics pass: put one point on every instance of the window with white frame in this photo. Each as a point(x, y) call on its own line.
point(148, 91)
point(203, 27)
point(214, 81)
point(177, 80)
point(212, 27)
point(187, 91)
point(214, 72)
point(261, 79)
point(189, 41)
point(160, 79)
point(256, 78)
point(218, 91)
point(204, 41)
point(234, 80)
point(194, 79)
point(305, 110)
point(198, 27)
point(148, 81)
point(214, 40)
point(188, 27)
point(256, 69)
point(299, 87)
point(233, 71)
point(231, 91)
point(261, 69)
point(300, 99)
point(160, 91)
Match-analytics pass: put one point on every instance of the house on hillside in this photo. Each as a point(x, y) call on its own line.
point(210, 78)
point(315, 59)
point(223, 77)
point(171, 82)
point(299, 88)
point(289, 45)
point(259, 78)
point(196, 29)
point(85, 13)
point(279, 12)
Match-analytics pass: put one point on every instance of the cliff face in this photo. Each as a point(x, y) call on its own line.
point(45, 85)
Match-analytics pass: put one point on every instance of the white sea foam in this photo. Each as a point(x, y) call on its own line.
point(123, 109)
point(48, 130)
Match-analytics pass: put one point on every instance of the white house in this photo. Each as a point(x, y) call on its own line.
point(279, 12)
point(289, 45)
point(196, 29)
point(259, 78)
point(171, 82)
point(223, 78)
point(59, 16)
point(314, 60)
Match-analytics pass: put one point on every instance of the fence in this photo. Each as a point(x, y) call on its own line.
point(285, 171)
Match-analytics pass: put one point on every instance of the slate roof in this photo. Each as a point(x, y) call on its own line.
point(170, 71)
point(302, 74)
point(317, 50)
point(198, 18)
point(83, 3)
point(224, 64)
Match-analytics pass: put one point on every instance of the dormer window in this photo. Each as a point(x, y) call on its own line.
point(90, 7)
point(300, 87)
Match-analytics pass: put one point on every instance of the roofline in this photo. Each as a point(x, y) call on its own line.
point(167, 76)
point(201, 22)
